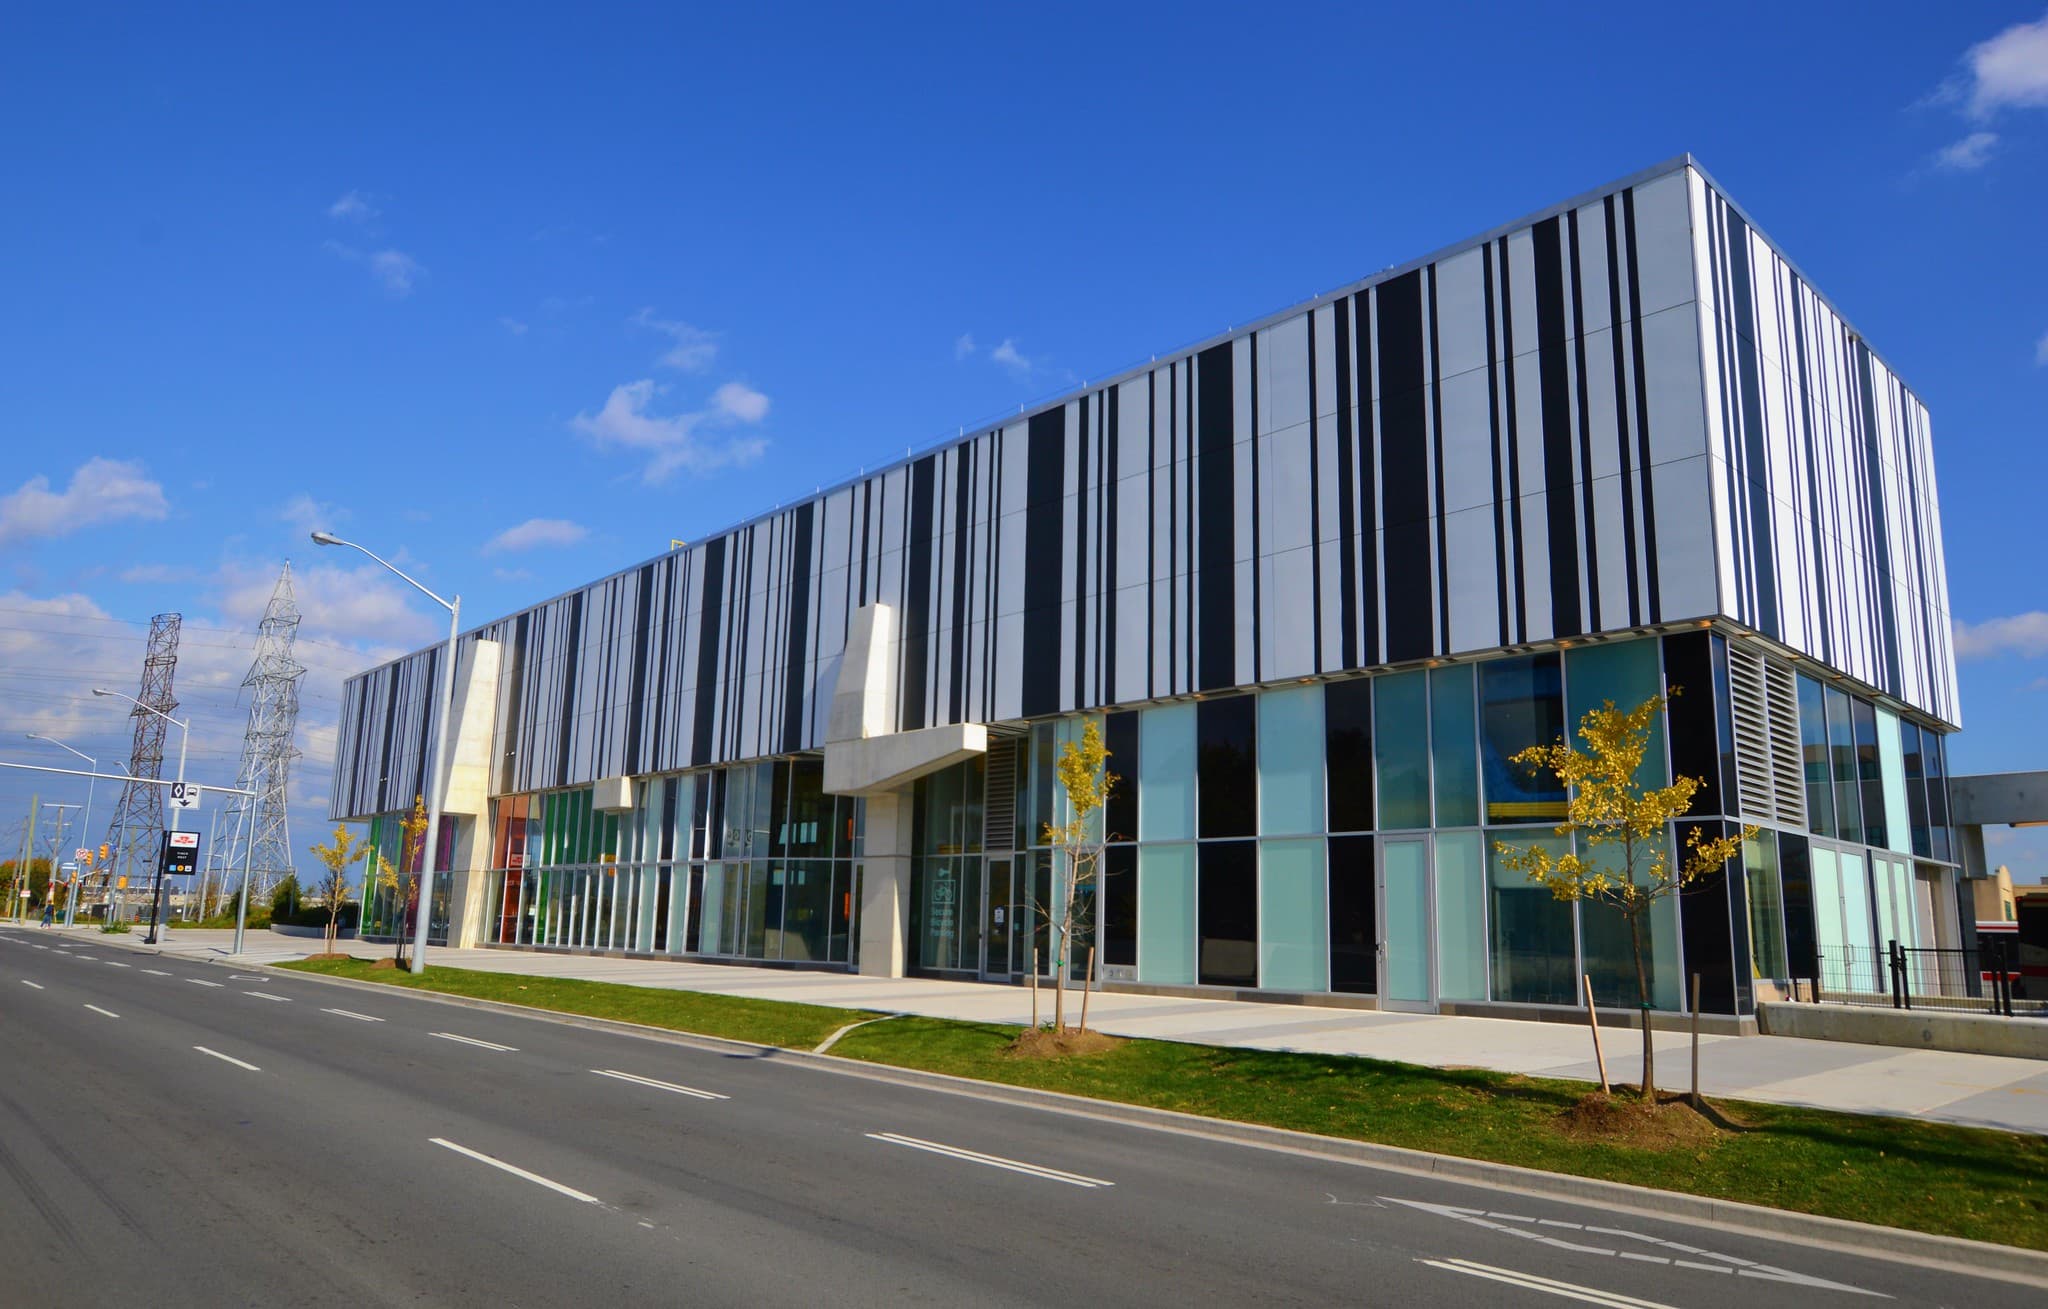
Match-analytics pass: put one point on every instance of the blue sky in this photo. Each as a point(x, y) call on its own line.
point(517, 297)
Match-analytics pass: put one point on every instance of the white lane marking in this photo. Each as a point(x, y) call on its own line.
point(1727, 1262)
point(992, 1161)
point(517, 1171)
point(1531, 1282)
point(471, 1040)
point(264, 995)
point(660, 1086)
point(196, 982)
point(156, 972)
point(228, 1058)
point(350, 1013)
point(115, 963)
point(108, 1012)
point(37, 985)
point(246, 977)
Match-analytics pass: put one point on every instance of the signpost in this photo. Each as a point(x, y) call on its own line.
point(186, 795)
point(178, 857)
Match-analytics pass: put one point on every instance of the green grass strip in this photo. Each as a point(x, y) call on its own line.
point(1897, 1172)
point(738, 1018)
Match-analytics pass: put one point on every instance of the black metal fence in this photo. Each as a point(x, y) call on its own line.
point(1921, 977)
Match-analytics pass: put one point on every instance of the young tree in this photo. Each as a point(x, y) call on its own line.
point(1079, 840)
point(1611, 811)
point(412, 842)
point(337, 858)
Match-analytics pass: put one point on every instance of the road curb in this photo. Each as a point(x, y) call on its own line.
point(1899, 1245)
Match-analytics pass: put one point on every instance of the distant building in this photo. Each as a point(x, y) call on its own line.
point(1319, 579)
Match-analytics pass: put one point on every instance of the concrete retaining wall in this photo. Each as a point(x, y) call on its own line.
point(346, 934)
point(1914, 1029)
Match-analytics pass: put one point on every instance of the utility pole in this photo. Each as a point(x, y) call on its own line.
point(28, 852)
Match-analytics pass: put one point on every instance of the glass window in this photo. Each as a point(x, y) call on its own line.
point(1766, 935)
point(1869, 770)
point(1166, 772)
point(1915, 773)
point(1461, 915)
point(1166, 912)
point(1898, 824)
point(1120, 738)
point(1813, 742)
point(1454, 746)
point(1695, 747)
point(1120, 906)
point(1347, 737)
point(1290, 760)
point(1226, 737)
point(942, 903)
point(763, 906)
point(1625, 673)
point(1842, 751)
point(1934, 750)
point(1608, 953)
point(1401, 748)
point(1229, 894)
point(1795, 882)
point(1354, 917)
point(1521, 703)
point(805, 829)
point(1530, 930)
point(1293, 933)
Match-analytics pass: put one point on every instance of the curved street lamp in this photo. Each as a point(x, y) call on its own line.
point(444, 711)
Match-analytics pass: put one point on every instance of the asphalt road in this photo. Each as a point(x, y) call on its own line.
point(177, 1134)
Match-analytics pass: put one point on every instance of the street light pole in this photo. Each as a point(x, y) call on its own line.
point(56, 846)
point(85, 820)
point(156, 898)
point(444, 711)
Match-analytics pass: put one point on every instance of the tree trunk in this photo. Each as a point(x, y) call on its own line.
point(1635, 941)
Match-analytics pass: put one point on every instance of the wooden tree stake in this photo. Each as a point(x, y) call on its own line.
point(1695, 1040)
point(1034, 988)
point(1593, 1021)
point(1087, 985)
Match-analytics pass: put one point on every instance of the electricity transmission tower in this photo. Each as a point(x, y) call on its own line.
point(260, 824)
point(136, 831)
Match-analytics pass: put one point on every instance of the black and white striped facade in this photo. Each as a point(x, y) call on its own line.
point(1629, 411)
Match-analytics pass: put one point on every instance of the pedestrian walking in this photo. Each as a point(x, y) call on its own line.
point(48, 907)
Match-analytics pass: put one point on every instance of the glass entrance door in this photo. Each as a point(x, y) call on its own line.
point(1407, 959)
point(999, 904)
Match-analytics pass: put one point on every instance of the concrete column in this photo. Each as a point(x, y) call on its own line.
point(469, 883)
point(885, 884)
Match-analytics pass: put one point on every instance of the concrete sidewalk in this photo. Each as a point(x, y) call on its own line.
point(1974, 1090)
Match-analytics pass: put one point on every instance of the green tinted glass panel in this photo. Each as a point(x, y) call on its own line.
point(1401, 748)
point(1627, 673)
point(1461, 915)
point(1166, 773)
point(1290, 761)
point(1166, 913)
point(1404, 881)
point(1294, 937)
point(1454, 745)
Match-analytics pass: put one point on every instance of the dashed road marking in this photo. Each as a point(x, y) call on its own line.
point(516, 1170)
point(1531, 1282)
point(350, 1013)
point(108, 1012)
point(198, 982)
point(471, 1040)
point(265, 995)
point(660, 1086)
point(228, 1058)
point(990, 1160)
point(37, 985)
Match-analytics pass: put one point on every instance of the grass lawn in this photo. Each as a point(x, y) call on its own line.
point(765, 1022)
point(1955, 1181)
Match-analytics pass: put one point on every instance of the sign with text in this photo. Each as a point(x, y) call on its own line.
point(180, 854)
point(186, 795)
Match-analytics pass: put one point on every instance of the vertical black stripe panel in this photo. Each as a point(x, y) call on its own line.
point(572, 658)
point(1257, 640)
point(1501, 554)
point(1347, 518)
point(1621, 432)
point(1440, 523)
point(1045, 552)
point(1642, 409)
point(636, 687)
point(1404, 468)
point(515, 706)
point(1749, 382)
point(1362, 459)
point(1886, 597)
point(917, 597)
point(708, 624)
point(1215, 487)
point(1566, 612)
point(963, 513)
point(1081, 502)
point(1112, 484)
point(796, 648)
point(1315, 489)
point(1811, 458)
point(1591, 546)
point(1514, 442)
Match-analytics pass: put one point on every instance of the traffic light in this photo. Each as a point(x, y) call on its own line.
point(104, 851)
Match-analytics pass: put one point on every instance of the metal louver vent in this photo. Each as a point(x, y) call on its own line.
point(1756, 793)
point(1787, 777)
point(999, 808)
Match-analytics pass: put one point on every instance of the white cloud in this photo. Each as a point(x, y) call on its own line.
point(101, 491)
point(537, 532)
point(2041, 351)
point(356, 604)
point(676, 441)
point(512, 574)
point(1009, 357)
point(355, 207)
point(309, 515)
point(963, 345)
point(693, 348)
point(2009, 71)
point(512, 325)
point(1968, 154)
point(157, 574)
point(2025, 635)
point(397, 271)
point(739, 401)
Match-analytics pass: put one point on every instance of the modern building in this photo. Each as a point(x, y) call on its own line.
point(1318, 579)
